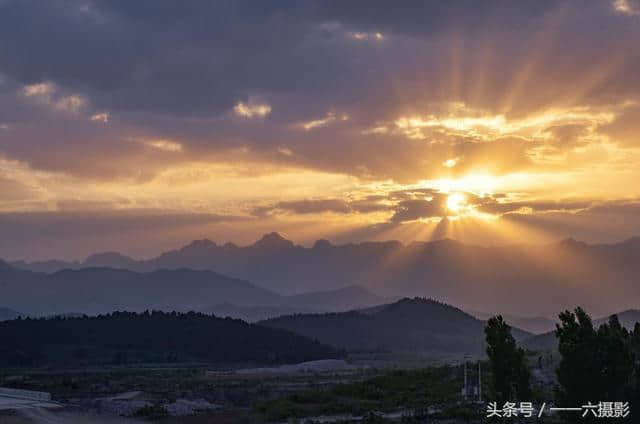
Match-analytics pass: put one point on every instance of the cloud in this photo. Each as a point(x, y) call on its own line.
point(100, 117)
point(317, 206)
point(356, 99)
point(496, 157)
point(328, 119)
point(492, 206)
point(410, 210)
point(627, 7)
point(15, 191)
point(47, 93)
point(302, 58)
point(164, 145)
point(367, 36)
point(603, 222)
point(313, 206)
point(43, 90)
point(624, 129)
point(252, 110)
point(567, 136)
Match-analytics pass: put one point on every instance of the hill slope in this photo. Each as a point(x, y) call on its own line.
point(548, 340)
point(150, 337)
point(102, 290)
point(417, 324)
point(535, 325)
point(8, 314)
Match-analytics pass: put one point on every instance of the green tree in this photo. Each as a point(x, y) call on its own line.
point(596, 365)
point(635, 348)
point(509, 370)
point(617, 360)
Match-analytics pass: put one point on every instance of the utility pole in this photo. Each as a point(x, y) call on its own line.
point(465, 379)
point(479, 381)
point(480, 369)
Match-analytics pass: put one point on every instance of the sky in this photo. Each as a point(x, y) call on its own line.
point(139, 126)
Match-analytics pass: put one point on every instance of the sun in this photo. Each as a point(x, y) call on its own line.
point(456, 202)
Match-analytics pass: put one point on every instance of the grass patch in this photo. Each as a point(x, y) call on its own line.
point(392, 391)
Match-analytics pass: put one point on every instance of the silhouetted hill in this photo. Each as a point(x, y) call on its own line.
point(417, 324)
point(101, 290)
point(519, 279)
point(251, 313)
point(340, 300)
point(548, 340)
point(535, 325)
point(344, 299)
point(627, 318)
point(109, 260)
point(151, 337)
point(4, 266)
point(7, 314)
point(46, 266)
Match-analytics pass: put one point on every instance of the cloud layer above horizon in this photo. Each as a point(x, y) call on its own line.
point(487, 122)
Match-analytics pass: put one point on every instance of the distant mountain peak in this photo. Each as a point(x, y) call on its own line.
point(106, 255)
point(322, 244)
point(200, 245)
point(273, 241)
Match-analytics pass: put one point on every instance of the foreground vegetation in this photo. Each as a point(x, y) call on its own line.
point(411, 391)
point(598, 365)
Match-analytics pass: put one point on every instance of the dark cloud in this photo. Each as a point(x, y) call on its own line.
point(321, 206)
point(410, 210)
point(161, 69)
point(489, 205)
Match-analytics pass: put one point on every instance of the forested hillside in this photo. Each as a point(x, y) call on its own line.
point(125, 337)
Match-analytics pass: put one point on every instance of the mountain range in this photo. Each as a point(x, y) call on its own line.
point(524, 280)
point(102, 290)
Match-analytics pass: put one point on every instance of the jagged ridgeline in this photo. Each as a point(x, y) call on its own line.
point(125, 337)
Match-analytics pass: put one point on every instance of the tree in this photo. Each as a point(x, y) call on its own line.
point(596, 365)
point(509, 370)
point(635, 348)
point(617, 360)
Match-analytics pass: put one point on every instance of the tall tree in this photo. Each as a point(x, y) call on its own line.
point(509, 370)
point(617, 360)
point(596, 365)
point(635, 348)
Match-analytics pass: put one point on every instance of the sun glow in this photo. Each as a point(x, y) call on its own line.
point(476, 183)
point(456, 202)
